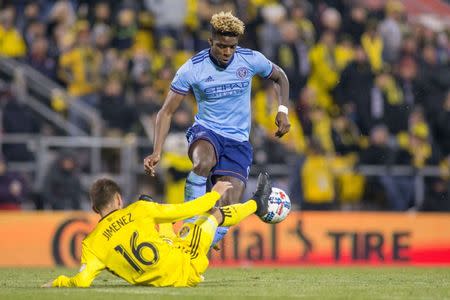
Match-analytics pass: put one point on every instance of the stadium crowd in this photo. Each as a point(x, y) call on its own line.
point(369, 85)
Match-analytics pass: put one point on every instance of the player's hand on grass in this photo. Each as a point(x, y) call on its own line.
point(48, 284)
point(150, 163)
point(282, 123)
point(221, 187)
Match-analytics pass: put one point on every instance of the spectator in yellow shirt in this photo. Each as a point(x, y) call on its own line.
point(80, 69)
point(12, 43)
point(324, 71)
point(373, 45)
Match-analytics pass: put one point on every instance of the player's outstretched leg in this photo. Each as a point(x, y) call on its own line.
point(200, 233)
point(263, 190)
point(233, 214)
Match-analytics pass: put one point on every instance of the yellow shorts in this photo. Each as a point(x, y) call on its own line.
point(196, 239)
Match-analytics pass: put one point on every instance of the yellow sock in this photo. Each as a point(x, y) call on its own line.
point(233, 214)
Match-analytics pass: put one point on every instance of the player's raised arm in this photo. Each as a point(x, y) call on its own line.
point(166, 213)
point(279, 77)
point(163, 120)
point(91, 266)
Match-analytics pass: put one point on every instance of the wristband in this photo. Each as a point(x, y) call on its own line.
point(283, 109)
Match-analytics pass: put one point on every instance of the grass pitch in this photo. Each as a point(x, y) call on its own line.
point(242, 283)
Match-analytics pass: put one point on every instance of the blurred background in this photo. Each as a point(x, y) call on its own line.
point(81, 83)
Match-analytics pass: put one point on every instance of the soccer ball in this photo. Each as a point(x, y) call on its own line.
point(279, 207)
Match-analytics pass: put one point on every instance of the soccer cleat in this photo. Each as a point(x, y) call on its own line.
point(262, 194)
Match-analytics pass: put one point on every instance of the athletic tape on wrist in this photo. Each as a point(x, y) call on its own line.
point(283, 109)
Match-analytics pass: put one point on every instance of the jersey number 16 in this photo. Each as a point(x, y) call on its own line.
point(136, 250)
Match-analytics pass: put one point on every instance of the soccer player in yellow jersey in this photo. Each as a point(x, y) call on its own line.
point(127, 243)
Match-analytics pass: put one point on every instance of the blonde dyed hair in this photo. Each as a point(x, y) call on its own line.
point(225, 22)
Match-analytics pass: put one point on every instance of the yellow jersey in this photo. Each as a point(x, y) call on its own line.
point(11, 43)
point(127, 243)
point(80, 69)
point(317, 179)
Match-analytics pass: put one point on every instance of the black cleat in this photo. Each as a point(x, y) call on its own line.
point(262, 194)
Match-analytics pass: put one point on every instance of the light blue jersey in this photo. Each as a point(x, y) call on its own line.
point(223, 94)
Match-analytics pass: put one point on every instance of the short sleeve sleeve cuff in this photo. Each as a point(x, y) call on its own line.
point(178, 91)
point(270, 73)
point(261, 65)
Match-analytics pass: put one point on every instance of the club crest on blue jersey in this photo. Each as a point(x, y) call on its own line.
point(242, 73)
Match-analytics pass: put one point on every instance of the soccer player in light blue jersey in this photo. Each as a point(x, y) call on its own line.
point(220, 79)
